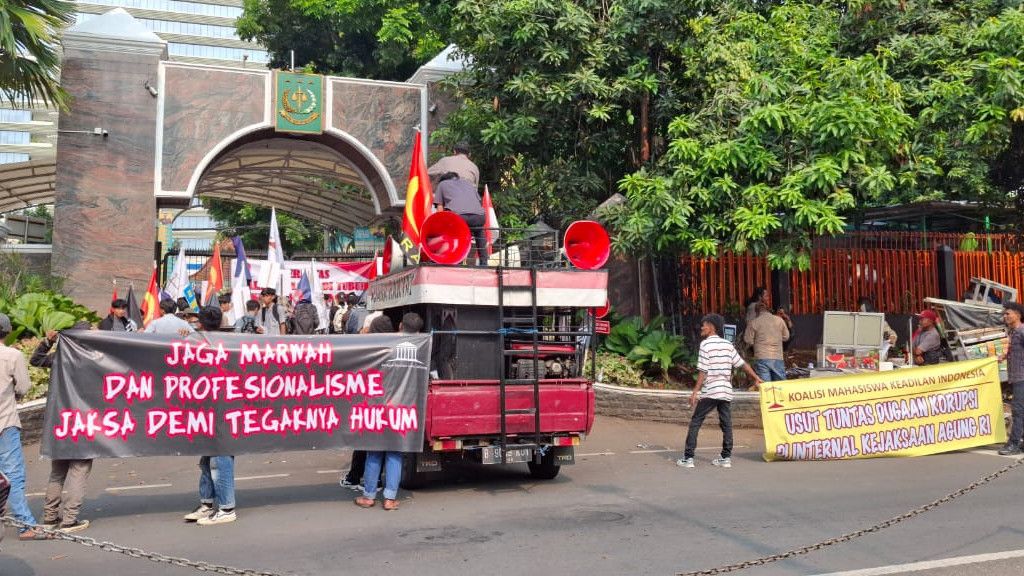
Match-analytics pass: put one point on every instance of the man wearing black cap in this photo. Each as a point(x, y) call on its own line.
point(715, 362)
point(459, 163)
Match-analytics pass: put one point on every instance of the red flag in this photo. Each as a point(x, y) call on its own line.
point(490, 221)
point(214, 276)
point(151, 301)
point(114, 295)
point(418, 197)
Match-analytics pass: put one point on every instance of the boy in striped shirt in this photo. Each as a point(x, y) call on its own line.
point(715, 363)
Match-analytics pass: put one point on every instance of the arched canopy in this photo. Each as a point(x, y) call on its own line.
point(26, 184)
point(299, 175)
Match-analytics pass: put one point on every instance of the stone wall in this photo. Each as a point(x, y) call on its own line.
point(670, 406)
point(31, 414)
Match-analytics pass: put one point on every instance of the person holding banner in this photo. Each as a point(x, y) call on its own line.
point(14, 383)
point(216, 473)
point(715, 363)
point(1013, 313)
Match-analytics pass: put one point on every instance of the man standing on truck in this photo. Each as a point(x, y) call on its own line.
point(1013, 312)
point(715, 361)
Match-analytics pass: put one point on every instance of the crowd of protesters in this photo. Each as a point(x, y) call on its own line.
point(346, 313)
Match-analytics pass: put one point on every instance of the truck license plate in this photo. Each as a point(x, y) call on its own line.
point(492, 455)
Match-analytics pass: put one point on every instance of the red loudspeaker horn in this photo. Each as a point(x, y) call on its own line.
point(587, 244)
point(445, 238)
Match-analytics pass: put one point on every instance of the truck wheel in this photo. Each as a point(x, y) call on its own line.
point(411, 479)
point(546, 469)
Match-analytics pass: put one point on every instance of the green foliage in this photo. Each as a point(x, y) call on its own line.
point(296, 235)
point(35, 313)
point(382, 39)
point(40, 377)
point(648, 347)
point(30, 51)
point(614, 369)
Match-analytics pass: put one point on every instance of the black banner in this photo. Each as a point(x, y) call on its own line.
point(117, 394)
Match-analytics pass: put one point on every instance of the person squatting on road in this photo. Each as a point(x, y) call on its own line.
point(1013, 313)
point(715, 361)
point(14, 383)
point(926, 343)
point(216, 473)
point(69, 476)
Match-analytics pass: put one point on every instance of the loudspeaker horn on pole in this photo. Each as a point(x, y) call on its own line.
point(392, 257)
point(445, 238)
point(587, 245)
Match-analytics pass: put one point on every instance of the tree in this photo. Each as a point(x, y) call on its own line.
point(30, 50)
point(563, 97)
point(381, 39)
point(251, 222)
point(803, 113)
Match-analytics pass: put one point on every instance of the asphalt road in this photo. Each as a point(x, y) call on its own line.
point(624, 508)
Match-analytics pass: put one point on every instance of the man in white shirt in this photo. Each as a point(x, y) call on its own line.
point(168, 323)
point(715, 363)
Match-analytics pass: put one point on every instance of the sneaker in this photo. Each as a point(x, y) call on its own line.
point(355, 486)
point(1010, 450)
point(51, 524)
point(685, 463)
point(76, 527)
point(220, 517)
point(203, 511)
point(722, 462)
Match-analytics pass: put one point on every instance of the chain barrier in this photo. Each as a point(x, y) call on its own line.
point(54, 534)
point(852, 535)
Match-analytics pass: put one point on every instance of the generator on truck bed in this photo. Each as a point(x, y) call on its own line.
point(512, 358)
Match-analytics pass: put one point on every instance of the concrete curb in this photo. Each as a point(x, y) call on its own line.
point(31, 414)
point(670, 406)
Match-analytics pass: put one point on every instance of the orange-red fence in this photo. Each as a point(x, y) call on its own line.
point(897, 280)
point(890, 240)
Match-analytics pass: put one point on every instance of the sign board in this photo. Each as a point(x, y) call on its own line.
point(118, 394)
point(298, 103)
point(602, 327)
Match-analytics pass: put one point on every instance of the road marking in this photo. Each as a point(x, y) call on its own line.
point(931, 564)
point(264, 477)
point(651, 451)
point(136, 487)
point(596, 454)
point(329, 471)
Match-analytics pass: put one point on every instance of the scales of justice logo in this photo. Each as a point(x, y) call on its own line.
point(777, 395)
point(299, 102)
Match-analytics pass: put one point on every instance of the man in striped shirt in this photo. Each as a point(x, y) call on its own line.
point(715, 363)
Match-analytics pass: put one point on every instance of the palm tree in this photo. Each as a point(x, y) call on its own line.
point(30, 50)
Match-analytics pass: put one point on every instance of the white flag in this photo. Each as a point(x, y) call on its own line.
point(271, 277)
point(316, 292)
point(178, 285)
point(240, 293)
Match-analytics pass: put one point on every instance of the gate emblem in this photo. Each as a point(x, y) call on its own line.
point(299, 103)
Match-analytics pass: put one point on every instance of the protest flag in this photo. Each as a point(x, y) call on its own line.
point(151, 300)
point(214, 276)
point(302, 291)
point(134, 313)
point(491, 226)
point(419, 199)
point(178, 285)
point(270, 275)
point(114, 295)
point(240, 278)
point(316, 291)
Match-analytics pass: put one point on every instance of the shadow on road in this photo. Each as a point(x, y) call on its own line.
point(11, 566)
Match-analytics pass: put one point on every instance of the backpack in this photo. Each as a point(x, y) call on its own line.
point(248, 325)
point(305, 320)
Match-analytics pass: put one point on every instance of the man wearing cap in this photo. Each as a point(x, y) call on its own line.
point(14, 383)
point(926, 342)
point(459, 163)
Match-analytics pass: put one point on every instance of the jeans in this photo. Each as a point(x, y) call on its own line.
point(1017, 413)
point(476, 224)
point(12, 464)
point(704, 407)
point(770, 370)
point(217, 480)
point(392, 474)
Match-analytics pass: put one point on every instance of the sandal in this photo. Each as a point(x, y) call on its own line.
point(364, 502)
point(390, 505)
point(32, 534)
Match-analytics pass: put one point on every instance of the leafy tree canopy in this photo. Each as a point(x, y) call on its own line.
point(382, 39)
point(30, 50)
